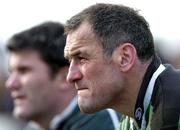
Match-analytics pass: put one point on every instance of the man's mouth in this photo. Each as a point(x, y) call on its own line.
point(81, 89)
point(18, 98)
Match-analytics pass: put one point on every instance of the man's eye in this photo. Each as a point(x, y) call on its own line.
point(23, 70)
point(82, 59)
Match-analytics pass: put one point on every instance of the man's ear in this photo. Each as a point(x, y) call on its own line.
point(125, 56)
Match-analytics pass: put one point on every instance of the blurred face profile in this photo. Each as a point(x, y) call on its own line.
point(32, 88)
point(95, 76)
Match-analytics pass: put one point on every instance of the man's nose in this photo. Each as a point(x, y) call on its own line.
point(12, 82)
point(74, 73)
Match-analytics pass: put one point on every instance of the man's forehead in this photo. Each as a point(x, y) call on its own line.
point(77, 40)
point(72, 48)
point(22, 55)
point(17, 61)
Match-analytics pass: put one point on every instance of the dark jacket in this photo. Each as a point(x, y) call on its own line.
point(80, 121)
point(163, 110)
point(104, 120)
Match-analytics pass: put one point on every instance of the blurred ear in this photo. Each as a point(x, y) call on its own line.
point(60, 79)
point(124, 56)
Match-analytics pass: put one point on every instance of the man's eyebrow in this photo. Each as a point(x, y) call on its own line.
point(75, 53)
point(71, 54)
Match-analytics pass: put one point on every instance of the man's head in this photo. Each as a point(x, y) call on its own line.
point(38, 71)
point(114, 25)
point(47, 39)
point(106, 44)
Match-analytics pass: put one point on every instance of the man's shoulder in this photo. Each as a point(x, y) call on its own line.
point(167, 87)
point(102, 120)
point(107, 119)
point(165, 99)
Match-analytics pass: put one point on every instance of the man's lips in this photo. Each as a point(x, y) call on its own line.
point(16, 96)
point(79, 88)
point(18, 100)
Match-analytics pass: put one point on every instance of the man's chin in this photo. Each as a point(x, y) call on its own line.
point(88, 110)
point(20, 113)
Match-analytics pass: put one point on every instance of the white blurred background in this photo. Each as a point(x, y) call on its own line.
point(17, 15)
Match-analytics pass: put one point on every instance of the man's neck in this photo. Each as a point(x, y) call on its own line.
point(134, 80)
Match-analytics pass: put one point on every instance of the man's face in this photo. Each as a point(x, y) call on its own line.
point(96, 77)
point(32, 89)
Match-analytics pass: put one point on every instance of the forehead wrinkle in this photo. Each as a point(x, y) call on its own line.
point(72, 50)
point(75, 47)
point(78, 41)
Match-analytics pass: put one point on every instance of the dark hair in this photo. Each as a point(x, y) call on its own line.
point(47, 39)
point(115, 25)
